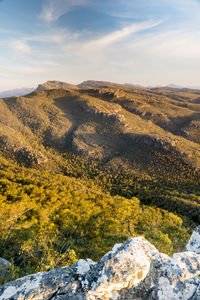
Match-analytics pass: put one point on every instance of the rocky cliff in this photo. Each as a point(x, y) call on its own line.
point(133, 270)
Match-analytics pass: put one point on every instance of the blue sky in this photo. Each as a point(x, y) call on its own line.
point(148, 42)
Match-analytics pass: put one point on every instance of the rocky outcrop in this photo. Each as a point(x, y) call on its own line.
point(133, 270)
point(106, 110)
point(194, 242)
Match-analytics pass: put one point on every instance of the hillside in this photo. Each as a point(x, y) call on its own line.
point(91, 167)
point(105, 123)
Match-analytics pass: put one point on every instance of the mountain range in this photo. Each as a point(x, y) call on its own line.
point(104, 121)
point(55, 84)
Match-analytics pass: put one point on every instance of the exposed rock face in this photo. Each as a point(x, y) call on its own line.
point(133, 270)
point(126, 265)
point(176, 277)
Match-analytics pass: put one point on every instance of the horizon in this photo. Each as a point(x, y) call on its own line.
point(170, 85)
point(149, 44)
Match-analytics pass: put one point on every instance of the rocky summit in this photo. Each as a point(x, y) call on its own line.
point(132, 270)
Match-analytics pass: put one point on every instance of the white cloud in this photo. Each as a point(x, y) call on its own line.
point(21, 47)
point(121, 34)
point(96, 46)
point(172, 45)
point(52, 10)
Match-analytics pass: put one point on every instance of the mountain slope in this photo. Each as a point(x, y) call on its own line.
point(102, 123)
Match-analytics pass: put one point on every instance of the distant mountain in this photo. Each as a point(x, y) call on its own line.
point(16, 92)
point(134, 85)
point(89, 84)
point(178, 88)
point(97, 84)
point(175, 86)
point(54, 84)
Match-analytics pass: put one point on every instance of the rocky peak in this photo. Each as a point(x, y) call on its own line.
point(132, 270)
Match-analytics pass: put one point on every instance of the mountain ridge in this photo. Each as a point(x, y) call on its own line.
point(56, 84)
point(157, 118)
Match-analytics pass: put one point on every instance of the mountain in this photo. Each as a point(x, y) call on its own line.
point(178, 88)
point(174, 86)
point(55, 85)
point(16, 92)
point(97, 84)
point(83, 169)
point(103, 123)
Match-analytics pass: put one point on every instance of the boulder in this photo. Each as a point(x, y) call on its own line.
point(125, 266)
point(132, 270)
point(48, 285)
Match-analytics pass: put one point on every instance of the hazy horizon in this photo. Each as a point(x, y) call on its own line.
point(126, 41)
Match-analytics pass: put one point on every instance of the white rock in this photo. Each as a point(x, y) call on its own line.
point(83, 266)
point(175, 277)
point(194, 242)
point(125, 266)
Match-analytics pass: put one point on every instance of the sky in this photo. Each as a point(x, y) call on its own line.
point(147, 42)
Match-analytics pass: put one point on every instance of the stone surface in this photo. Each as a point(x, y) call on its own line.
point(175, 277)
point(132, 270)
point(126, 265)
point(194, 242)
point(47, 285)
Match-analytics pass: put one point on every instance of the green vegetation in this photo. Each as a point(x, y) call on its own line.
point(49, 220)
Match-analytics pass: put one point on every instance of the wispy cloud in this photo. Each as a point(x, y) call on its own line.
point(21, 47)
point(122, 33)
point(52, 10)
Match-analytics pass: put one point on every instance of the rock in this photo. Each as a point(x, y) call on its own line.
point(197, 294)
point(176, 277)
point(4, 266)
point(194, 242)
point(132, 270)
point(47, 285)
point(124, 266)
